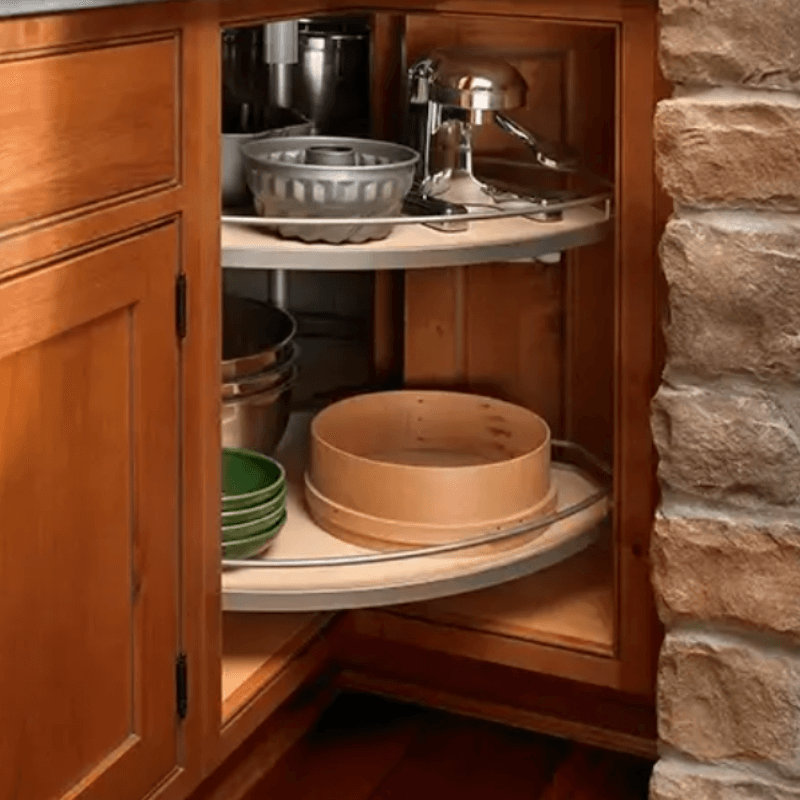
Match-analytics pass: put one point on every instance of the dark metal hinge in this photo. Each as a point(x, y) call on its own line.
point(180, 305)
point(181, 685)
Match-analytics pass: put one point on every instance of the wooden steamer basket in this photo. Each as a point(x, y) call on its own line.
point(418, 468)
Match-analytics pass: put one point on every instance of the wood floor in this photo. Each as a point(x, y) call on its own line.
point(365, 748)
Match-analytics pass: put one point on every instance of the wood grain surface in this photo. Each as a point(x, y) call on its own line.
point(365, 748)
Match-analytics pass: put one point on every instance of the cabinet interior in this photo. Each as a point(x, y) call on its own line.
point(542, 335)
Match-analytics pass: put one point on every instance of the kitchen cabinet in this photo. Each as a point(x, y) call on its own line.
point(576, 342)
point(110, 274)
point(89, 492)
point(100, 548)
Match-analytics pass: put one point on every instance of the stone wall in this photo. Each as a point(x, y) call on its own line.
point(726, 420)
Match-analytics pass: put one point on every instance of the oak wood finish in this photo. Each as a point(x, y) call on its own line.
point(433, 352)
point(387, 81)
point(70, 235)
point(260, 754)
point(256, 648)
point(115, 179)
point(200, 431)
point(386, 87)
point(587, 12)
point(636, 370)
point(387, 328)
point(470, 686)
point(305, 659)
point(473, 637)
point(355, 746)
point(64, 150)
point(88, 500)
point(513, 327)
point(368, 748)
point(591, 363)
point(570, 605)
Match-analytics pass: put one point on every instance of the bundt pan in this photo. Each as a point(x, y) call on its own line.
point(329, 176)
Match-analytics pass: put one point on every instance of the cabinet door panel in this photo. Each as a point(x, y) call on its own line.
point(87, 126)
point(88, 524)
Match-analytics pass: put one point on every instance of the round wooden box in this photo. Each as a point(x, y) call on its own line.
point(415, 468)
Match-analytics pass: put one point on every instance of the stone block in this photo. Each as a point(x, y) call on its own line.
point(734, 293)
point(727, 571)
point(675, 781)
point(730, 148)
point(745, 42)
point(737, 447)
point(723, 699)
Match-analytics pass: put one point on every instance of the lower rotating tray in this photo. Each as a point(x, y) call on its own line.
point(282, 582)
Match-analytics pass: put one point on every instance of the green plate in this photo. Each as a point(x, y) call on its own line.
point(249, 479)
point(242, 515)
point(253, 545)
point(233, 533)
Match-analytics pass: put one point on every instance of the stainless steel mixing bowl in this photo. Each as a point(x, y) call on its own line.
point(255, 337)
point(285, 184)
point(258, 421)
point(261, 381)
point(263, 122)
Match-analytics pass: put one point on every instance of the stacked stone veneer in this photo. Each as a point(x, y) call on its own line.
point(726, 420)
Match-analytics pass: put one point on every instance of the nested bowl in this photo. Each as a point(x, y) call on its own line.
point(258, 421)
point(256, 336)
point(242, 515)
point(253, 527)
point(436, 466)
point(255, 544)
point(249, 479)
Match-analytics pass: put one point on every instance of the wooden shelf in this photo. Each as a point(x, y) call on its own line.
point(569, 605)
point(416, 246)
point(256, 648)
point(269, 585)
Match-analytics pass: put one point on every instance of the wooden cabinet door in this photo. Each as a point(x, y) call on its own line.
point(89, 527)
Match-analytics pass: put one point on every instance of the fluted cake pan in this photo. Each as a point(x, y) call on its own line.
point(329, 176)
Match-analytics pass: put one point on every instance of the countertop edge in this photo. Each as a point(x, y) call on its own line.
point(22, 8)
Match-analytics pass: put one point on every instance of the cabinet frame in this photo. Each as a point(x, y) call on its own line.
point(641, 212)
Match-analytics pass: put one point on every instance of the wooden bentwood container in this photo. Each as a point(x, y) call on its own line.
point(415, 468)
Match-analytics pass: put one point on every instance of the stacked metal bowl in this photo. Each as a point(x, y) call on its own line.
point(259, 369)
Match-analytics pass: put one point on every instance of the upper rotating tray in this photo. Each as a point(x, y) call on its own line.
point(414, 246)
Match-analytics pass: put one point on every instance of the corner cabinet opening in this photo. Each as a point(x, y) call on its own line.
point(534, 286)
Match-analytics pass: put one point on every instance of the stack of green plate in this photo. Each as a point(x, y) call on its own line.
point(253, 502)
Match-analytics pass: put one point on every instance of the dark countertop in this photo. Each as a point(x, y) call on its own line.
point(18, 8)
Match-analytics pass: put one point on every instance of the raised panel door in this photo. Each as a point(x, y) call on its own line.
point(89, 527)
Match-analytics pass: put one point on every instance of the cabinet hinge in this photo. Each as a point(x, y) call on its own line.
point(180, 305)
point(181, 685)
